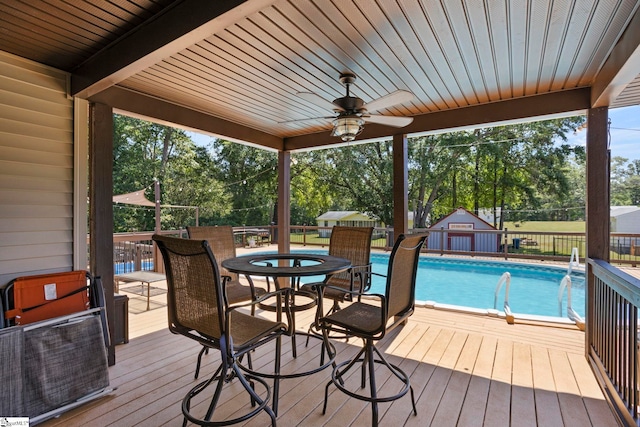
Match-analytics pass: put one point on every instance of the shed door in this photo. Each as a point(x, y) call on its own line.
point(461, 242)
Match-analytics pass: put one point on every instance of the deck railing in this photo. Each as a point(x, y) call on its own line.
point(612, 325)
point(612, 336)
point(134, 251)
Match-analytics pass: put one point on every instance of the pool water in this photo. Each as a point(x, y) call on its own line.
point(472, 283)
point(129, 266)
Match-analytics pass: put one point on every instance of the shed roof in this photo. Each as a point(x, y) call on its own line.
point(623, 210)
point(466, 212)
point(340, 215)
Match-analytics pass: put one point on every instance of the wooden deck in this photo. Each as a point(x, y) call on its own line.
point(466, 370)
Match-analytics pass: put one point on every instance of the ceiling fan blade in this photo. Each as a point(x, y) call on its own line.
point(397, 97)
point(307, 119)
point(396, 121)
point(319, 101)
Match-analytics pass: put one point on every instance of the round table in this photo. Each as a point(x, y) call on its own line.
point(286, 265)
point(292, 265)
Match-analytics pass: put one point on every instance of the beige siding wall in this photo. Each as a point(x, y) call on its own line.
point(36, 170)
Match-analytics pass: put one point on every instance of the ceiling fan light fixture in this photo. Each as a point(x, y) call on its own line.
point(347, 128)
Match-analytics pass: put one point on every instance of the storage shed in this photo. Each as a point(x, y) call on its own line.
point(456, 232)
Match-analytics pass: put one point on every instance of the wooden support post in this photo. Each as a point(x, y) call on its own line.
point(598, 206)
point(101, 207)
point(284, 201)
point(400, 185)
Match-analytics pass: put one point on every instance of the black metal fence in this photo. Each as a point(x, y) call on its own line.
point(134, 251)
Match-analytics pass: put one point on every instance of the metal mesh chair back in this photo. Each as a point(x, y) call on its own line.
point(401, 275)
point(194, 297)
point(197, 310)
point(371, 322)
point(354, 244)
point(221, 241)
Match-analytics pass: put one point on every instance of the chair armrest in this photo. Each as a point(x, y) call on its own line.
point(283, 293)
point(321, 286)
point(373, 273)
point(360, 267)
point(258, 300)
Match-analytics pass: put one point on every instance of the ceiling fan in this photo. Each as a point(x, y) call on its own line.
point(353, 112)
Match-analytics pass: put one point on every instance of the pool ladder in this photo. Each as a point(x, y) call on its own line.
point(571, 314)
point(574, 261)
point(506, 280)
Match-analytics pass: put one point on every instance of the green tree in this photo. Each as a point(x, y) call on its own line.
point(356, 177)
point(250, 177)
point(435, 165)
point(311, 195)
point(625, 181)
point(144, 152)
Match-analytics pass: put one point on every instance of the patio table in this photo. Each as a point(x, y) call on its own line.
point(290, 266)
point(143, 277)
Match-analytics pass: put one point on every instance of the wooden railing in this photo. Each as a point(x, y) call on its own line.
point(612, 336)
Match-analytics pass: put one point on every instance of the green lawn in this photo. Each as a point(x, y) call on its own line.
point(553, 226)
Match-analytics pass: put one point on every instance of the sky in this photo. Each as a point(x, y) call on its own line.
point(625, 133)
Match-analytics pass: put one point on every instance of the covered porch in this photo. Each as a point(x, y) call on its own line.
point(235, 69)
point(466, 370)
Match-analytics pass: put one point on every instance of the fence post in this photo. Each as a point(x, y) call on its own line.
point(441, 240)
point(138, 257)
point(506, 243)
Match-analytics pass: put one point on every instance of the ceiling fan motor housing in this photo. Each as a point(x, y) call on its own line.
point(350, 104)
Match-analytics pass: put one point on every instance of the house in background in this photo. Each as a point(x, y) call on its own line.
point(353, 219)
point(486, 214)
point(625, 219)
point(345, 218)
point(457, 233)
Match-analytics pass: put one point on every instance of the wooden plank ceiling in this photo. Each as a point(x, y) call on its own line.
point(236, 68)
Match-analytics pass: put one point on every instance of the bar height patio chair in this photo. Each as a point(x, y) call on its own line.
point(223, 246)
point(197, 310)
point(354, 244)
point(371, 322)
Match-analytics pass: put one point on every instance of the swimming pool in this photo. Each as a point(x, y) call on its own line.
point(472, 283)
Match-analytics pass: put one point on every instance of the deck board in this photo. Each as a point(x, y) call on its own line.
point(466, 370)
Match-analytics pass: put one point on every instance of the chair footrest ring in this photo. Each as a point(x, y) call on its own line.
point(328, 361)
point(399, 373)
point(262, 403)
point(311, 296)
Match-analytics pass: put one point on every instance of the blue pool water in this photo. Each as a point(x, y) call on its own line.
point(472, 283)
point(128, 267)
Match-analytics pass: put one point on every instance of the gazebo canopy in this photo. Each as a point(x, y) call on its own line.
point(134, 198)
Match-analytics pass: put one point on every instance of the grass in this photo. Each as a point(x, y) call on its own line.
point(552, 226)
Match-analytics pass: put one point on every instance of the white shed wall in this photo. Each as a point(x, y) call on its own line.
point(627, 223)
